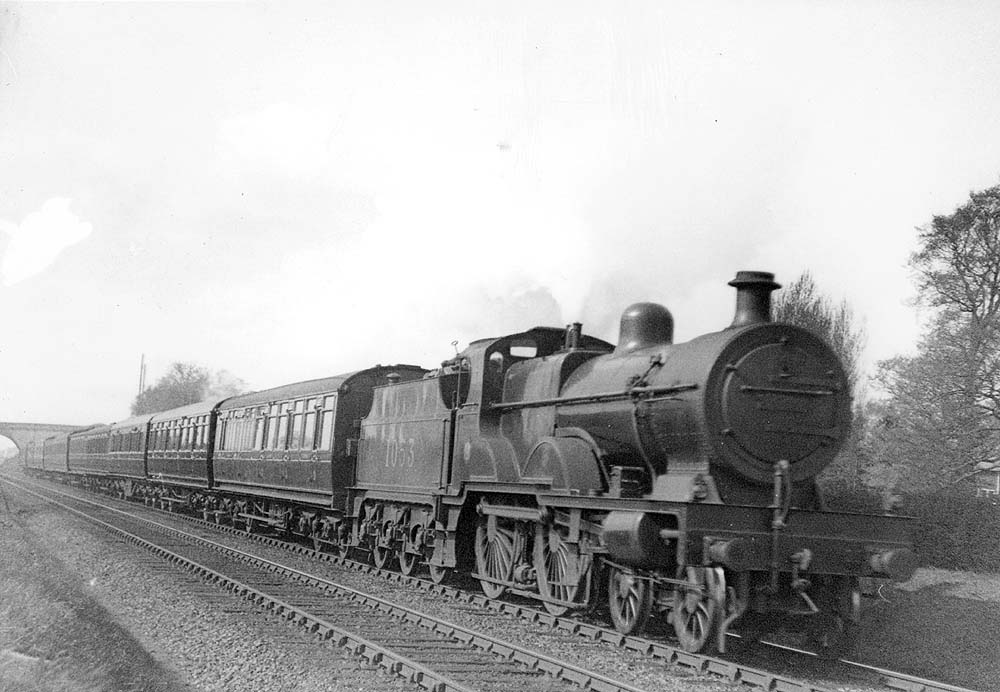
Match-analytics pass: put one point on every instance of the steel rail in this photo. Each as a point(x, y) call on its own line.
point(398, 664)
point(673, 656)
point(906, 683)
point(374, 653)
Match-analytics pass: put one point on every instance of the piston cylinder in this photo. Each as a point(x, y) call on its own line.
point(637, 538)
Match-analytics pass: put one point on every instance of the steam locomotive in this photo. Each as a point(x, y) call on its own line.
point(645, 476)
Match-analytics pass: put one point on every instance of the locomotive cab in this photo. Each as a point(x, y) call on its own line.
point(509, 408)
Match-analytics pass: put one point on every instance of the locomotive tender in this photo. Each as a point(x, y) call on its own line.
point(647, 476)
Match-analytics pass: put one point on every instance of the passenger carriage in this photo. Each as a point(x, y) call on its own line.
point(179, 456)
point(285, 457)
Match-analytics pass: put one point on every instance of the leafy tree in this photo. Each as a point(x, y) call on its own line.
point(801, 303)
point(943, 415)
point(186, 383)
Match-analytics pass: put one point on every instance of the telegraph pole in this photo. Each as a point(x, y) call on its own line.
point(142, 374)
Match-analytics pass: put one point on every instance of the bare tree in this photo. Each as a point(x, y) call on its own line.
point(943, 416)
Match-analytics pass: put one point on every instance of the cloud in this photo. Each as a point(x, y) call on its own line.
point(35, 244)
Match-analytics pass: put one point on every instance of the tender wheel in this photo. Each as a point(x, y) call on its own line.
point(408, 561)
point(630, 600)
point(439, 575)
point(380, 556)
point(559, 568)
point(495, 554)
point(695, 609)
point(380, 553)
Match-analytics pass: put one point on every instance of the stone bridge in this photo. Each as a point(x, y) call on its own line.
point(25, 434)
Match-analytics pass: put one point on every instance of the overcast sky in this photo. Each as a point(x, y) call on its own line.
point(291, 191)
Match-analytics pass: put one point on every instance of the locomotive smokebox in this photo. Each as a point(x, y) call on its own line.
point(644, 325)
point(753, 297)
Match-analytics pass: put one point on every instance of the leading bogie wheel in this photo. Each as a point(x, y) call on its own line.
point(697, 606)
point(630, 600)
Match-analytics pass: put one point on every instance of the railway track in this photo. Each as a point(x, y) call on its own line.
point(428, 651)
point(735, 671)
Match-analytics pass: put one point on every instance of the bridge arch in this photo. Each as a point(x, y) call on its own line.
point(23, 434)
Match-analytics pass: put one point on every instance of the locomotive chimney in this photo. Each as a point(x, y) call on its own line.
point(753, 297)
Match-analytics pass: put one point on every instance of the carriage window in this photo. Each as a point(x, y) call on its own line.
point(326, 423)
point(272, 427)
point(296, 439)
point(258, 433)
point(246, 431)
point(283, 427)
point(309, 436)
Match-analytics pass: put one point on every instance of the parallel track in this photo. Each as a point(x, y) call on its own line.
point(431, 652)
point(697, 663)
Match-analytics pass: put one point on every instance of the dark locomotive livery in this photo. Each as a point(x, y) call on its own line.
point(647, 476)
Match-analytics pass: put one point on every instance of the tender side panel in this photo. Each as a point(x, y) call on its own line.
point(406, 439)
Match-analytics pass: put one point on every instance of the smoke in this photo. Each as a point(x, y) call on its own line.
point(38, 240)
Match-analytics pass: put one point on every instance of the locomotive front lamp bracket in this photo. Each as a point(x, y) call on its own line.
point(779, 507)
